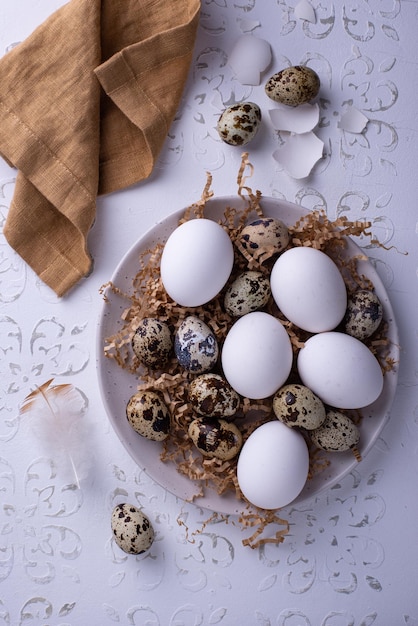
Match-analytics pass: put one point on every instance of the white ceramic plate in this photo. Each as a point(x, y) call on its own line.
point(117, 385)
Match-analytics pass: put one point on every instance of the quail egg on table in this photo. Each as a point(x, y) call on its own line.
point(297, 405)
point(216, 438)
point(250, 291)
point(293, 85)
point(148, 415)
point(132, 530)
point(364, 314)
point(211, 396)
point(195, 345)
point(152, 342)
point(337, 433)
point(239, 123)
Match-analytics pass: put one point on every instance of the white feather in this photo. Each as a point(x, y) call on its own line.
point(55, 412)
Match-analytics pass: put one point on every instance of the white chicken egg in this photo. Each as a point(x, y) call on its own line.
point(257, 355)
point(196, 262)
point(341, 370)
point(273, 465)
point(309, 289)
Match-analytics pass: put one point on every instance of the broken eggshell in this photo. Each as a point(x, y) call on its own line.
point(246, 26)
point(299, 153)
point(249, 58)
point(301, 119)
point(305, 11)
point(353, 121)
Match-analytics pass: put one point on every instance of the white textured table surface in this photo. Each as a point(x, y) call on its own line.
point(351, 556)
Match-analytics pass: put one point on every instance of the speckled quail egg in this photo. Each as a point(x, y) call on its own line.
point(337, 433)
point(239, 123)
point(263, 234)
point(250, 291)
point(132, 530)
point(364, 314)
point(210, 395)
point(195, 345)
point(148, 415)
point(216, 438)
point(152, 342)
point(297, 405)
point(293, 85)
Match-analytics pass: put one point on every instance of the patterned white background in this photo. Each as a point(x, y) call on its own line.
point(351, 556)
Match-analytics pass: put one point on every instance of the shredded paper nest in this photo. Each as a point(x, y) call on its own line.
point(148, 298)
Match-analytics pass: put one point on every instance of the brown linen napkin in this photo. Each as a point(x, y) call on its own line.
point(86, 102)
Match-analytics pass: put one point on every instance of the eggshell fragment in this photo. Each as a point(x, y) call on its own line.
point(196, 262)
point(301, 119)
point(341, 370)
point(257, 355)
point(299, 153)
point(132, 530)
point(273, 466)
point(249, 58)
point(353, 121)
point(309, 289)
point(305, 11)
point(246, 26)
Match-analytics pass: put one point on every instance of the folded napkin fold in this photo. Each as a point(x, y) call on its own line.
point(86, 102)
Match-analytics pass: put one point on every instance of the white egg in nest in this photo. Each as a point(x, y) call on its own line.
point(309, 289)
point(257, 355)
point(196, 262)
point(273, 466)
point(341, 370)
